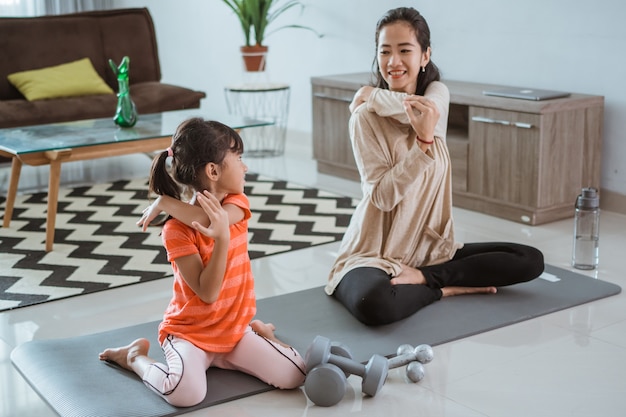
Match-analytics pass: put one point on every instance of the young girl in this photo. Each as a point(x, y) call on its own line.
point(399, 253)
point(208, 320)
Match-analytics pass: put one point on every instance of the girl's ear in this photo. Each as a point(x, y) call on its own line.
point(212, 171)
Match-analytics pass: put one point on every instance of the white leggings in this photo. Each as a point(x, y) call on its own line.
point(182, 382)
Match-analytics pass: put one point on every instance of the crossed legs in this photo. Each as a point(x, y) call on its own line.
point(375, 298)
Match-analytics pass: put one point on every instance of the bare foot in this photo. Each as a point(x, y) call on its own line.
point(124, 356)
point(409, 276)
point(451, 291)
point(264, 329)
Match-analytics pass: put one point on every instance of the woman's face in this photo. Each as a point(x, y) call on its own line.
point(400, 57)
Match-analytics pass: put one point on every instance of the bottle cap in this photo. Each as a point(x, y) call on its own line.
point(588, 199)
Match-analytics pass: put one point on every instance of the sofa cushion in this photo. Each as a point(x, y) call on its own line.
point(156, 97)
point(77, 78)
point(150, 97)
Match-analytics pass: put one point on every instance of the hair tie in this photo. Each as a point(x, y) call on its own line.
point(170, 152)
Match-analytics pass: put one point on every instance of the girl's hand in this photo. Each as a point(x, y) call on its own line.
point(219, 227)
point(423, 115)
point(149, 214)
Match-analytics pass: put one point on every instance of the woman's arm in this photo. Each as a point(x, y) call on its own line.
point(385, 103)
point(385, 176)
point(423, 115)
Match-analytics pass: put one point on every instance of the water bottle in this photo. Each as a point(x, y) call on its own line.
point(586, 230)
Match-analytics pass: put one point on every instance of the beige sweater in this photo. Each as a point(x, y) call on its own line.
point(405, 216)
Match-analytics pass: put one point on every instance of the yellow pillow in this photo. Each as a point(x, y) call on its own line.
point(77, 78)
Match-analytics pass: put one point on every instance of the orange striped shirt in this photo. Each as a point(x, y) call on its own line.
point(215, 327)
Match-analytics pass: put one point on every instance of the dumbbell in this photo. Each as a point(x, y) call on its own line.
point(415, 358)
point(325, 384)
point(373, 373)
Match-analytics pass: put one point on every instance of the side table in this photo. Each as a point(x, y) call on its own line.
point(261, 101)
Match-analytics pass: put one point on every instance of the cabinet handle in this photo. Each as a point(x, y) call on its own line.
point(326, 96)
point(501, 122)
point(488, 120)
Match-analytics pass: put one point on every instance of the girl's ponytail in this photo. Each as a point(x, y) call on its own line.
point(161, 182)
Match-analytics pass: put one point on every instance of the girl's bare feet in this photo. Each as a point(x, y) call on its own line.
point(124, 356)
point(264, 329)
point(451, 291)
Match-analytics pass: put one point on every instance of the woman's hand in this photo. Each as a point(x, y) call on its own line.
point(423, 115)
point(409, 275)
point(360, 97)
point(219, 227)
point(149, 214)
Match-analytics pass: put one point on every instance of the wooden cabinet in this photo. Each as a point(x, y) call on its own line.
point(331, 143)
point(521, 160)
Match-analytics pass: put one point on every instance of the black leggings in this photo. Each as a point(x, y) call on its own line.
point(368, 294)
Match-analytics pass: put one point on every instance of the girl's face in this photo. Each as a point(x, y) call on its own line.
point(400, 57)
point(232, 176)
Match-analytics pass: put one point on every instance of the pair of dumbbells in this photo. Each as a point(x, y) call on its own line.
point(329, 365)
point(414, 358)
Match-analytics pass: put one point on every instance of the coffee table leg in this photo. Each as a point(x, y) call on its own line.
point(16, 169)
point(53, 199)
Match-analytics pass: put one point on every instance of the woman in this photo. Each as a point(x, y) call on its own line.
point(399, 253)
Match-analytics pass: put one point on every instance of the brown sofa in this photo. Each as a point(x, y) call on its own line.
point(38, 42)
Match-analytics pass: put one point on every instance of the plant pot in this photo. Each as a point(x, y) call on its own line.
point(254, 57)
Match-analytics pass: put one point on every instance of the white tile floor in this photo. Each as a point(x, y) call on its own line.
point(570, 363)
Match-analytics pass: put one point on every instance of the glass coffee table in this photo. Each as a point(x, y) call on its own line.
point(54, 144)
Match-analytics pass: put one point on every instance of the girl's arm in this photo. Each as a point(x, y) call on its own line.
point(184, 212)
point(206, 280)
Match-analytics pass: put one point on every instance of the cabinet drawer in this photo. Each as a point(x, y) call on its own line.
point(344, 96)
point(458, 160)
point(503, 156)
point(331, 139)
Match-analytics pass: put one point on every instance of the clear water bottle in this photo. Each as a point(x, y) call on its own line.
point(586, 230)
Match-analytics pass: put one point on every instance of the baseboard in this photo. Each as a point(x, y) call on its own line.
point(613, 201)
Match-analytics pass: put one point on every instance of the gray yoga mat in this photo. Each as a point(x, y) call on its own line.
point(69, 376)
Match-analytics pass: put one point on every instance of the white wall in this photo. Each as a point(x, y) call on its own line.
point(570, 45)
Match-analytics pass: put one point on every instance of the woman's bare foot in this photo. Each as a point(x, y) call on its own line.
point(451, 291)
point(409, 276)
point(124, 356)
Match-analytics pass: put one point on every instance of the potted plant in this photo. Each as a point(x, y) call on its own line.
point(255, 16)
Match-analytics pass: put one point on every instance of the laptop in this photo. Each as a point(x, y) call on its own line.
point(525, 93)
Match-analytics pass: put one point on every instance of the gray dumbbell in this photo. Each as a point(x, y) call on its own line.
point(407, 354)
point(414, 358)
point(373, 373)
point(415, 371)
point(340, 349)
point(325, 384)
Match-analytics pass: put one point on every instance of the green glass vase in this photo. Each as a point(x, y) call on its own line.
point(126, 112)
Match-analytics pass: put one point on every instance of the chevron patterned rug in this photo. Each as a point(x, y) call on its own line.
point(98, 245)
